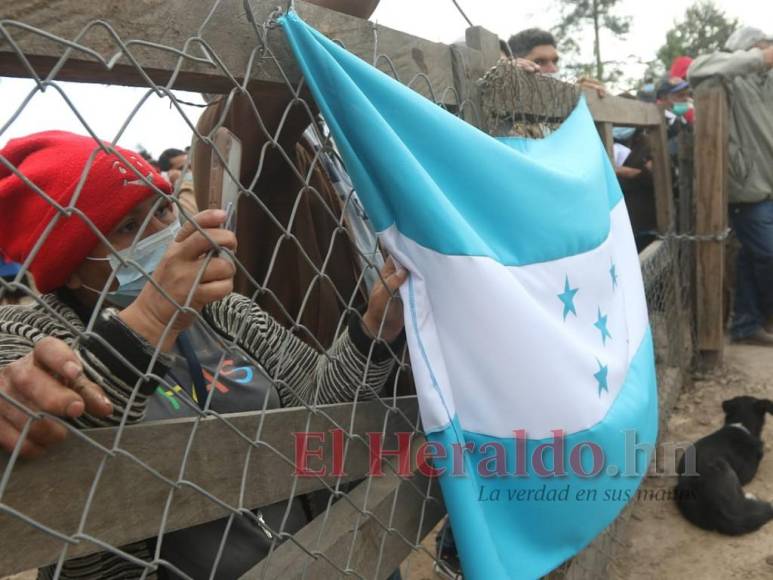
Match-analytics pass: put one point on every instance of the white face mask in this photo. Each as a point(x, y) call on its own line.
point(147, 253)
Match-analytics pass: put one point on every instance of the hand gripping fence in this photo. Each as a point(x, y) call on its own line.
point(111, 497)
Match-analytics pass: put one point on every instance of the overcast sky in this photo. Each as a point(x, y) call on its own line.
point(439, 20)
point(156, 126)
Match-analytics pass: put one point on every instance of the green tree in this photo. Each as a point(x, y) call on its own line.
point(705, 28)
point(577, 17)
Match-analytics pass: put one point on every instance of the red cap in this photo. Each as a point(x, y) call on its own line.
point(55, 162)
point(679, 67)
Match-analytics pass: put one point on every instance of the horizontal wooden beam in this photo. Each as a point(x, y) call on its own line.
point(622, 112)
point(135, 480)
point(186, 45)
point(369, 533)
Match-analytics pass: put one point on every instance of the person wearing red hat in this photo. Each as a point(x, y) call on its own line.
point(679, 67)
point(97, 228)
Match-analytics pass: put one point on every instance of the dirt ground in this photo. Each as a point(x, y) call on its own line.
point(664, 545)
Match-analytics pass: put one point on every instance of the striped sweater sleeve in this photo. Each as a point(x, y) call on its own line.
point(21, 327)
point(353, 368)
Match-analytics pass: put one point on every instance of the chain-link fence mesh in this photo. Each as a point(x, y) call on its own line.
point(308, 257)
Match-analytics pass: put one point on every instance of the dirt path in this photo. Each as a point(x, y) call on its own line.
point(664, 545)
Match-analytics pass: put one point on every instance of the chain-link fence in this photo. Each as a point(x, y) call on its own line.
point(201, 453)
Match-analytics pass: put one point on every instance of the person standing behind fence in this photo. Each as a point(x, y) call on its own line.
point(746, 71)
point(176, 165)
point(48, 364)
point(536, 50)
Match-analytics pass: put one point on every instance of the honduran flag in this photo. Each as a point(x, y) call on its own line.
point(525, 310)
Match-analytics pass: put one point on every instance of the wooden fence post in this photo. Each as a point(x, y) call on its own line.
point(484, 41)
point(711, 171)
point(661, 177)
point(608, 138)
point(469, 62)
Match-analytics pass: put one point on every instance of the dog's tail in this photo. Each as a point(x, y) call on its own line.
point(736, 512)
point(747, 516)
point(715, 501)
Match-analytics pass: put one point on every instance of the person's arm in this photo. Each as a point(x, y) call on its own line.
point(727, 65)
point(624, 172)
point(354, 367)
point(187, 196)
point(45, 368)
point(591, 84)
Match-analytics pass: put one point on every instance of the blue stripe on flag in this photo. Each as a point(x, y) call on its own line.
point(452, 188)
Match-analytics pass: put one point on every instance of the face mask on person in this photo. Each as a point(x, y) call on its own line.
point(623, 133)
point(680, 109)
point(648, 88)
point(147, 253)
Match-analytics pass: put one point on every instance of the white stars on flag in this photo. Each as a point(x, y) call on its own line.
point(605, 312)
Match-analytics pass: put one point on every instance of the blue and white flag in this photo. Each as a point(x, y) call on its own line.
point(525, 310)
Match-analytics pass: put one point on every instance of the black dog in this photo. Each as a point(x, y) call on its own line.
point(712, 497)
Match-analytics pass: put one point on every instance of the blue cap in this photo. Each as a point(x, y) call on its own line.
point(8, 269)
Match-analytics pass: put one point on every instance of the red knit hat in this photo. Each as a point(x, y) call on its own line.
point(55, 162)
point(679, 67)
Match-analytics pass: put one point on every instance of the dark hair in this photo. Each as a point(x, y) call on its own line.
point(149, 158)
point(522, 43)
point(164, 160)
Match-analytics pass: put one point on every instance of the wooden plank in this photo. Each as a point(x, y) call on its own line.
point(607, 137)
point(129, 500)
point(666, 224)
point(211, 49)
point(686, 212)
point(661, 178)
point(467, 66)
point(410, 508)
point(711, 174)
point(685, 216)
point(620, 111)
point(485, 42)
point(469, 63)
